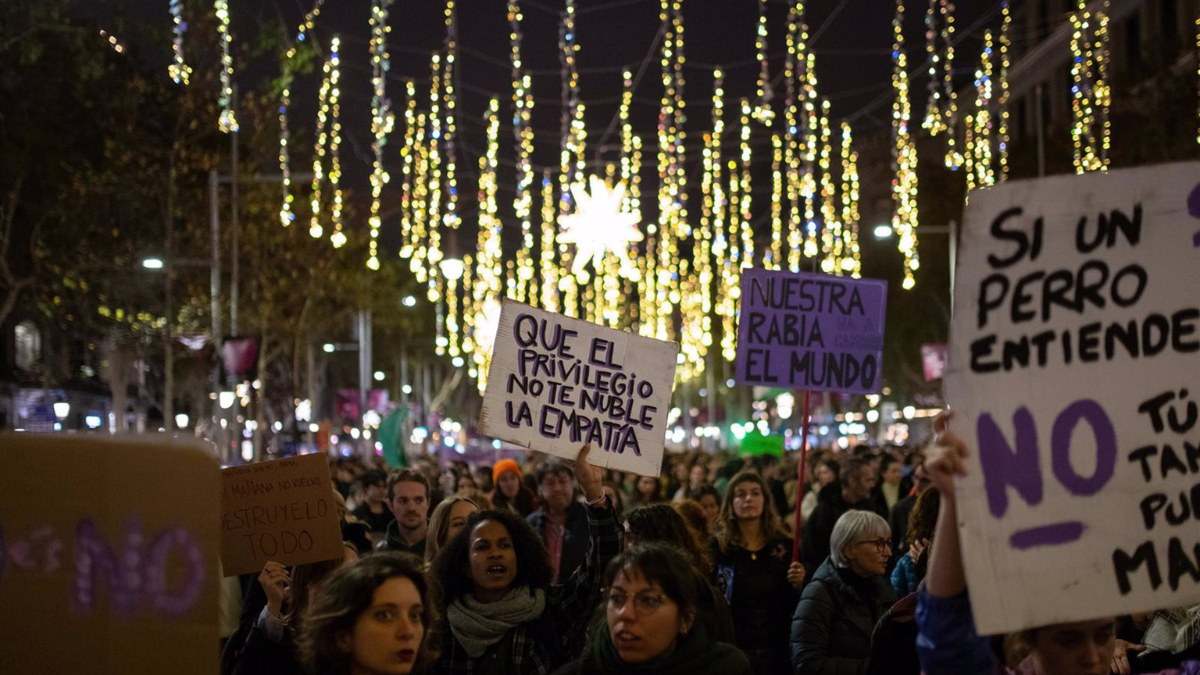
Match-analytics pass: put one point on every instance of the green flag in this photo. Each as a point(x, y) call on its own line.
point(757, 444)
point(389, 437)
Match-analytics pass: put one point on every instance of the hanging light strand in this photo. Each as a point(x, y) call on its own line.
point(338, 238)
point(851, 262)
point(904, 152)
point(450, 129)
point(322, 132)
point(179, 70)
point(1002, 134)
point(522, 111)
point(1089, 91)
point(954, 158)
point(763, 112)
point(286, 216)
point(228, 120)
point(791, 149)
point(934, 121)
point(382, 119)
point(407, 166)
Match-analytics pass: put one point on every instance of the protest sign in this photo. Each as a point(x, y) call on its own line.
point(1075, 376)
point(281, 511)
point(756, 443)
point(108, 556)
point(556, 383)
point(811, 331)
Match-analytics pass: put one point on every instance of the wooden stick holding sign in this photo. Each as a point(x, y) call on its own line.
point(812, 332)
point(556, 383)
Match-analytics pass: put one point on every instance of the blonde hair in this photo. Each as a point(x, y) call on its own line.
point(439, 523)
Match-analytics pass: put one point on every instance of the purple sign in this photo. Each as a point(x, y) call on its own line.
point(811, 331)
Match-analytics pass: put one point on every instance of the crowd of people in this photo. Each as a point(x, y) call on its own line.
point(547, 566)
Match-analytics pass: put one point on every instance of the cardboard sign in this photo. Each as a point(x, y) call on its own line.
point(811, 331)
point(282, 511)
point(108, 556)
point(1075, 375)
point(556, 383)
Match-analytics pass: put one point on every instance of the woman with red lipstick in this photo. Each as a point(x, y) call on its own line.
point(653, 598)
point(501, 613)
point(369, 618)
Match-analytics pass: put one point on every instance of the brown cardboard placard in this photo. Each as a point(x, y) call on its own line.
point(108, 556)
point(281, 510)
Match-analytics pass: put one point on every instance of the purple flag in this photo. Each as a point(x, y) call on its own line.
point(811, 331)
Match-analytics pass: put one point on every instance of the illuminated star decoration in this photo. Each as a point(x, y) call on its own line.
point(598, 226)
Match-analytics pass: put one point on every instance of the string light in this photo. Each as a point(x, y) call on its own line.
point(979, 124)
point(286, 216)
point(382, 119)
point(522, 111)
point(953, 159)
point(112, 42)
point(904, 185)
point(420, 203)
point(451, 218)
point(1090, 89)
point(812, 131)
point(851, 262)
point(570, 155)
point(322, 132)
point(1003, 113)
point(831, 244)
point(407, 167)
point(179, 70)
point(791, 149)
point(933, 122)
point(433, 213)
point(549, 263)
point(775, 252)
point(338, 238)
point(763, 112)
point(228, 120)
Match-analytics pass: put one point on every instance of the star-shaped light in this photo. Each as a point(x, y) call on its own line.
point(599, 226)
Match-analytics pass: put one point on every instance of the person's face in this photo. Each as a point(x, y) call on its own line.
point(643, 622)
point(711, 507)
point(869, 557)
point(410, 505)
point(697, 475)
point(376, 494)
point(646, 486)
point(509, 484)
point(556, 491)
point(1084, 648)
point(466, 483)
point(747, 501)
point(387, 636)
point(459, 512)
point(825, 475)
point(860, 486)
point(493, 560)
point(921, 479)
point(681, 472)
point(894, 473)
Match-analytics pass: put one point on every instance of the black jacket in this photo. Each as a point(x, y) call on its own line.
point(695, 654)
point(392, 542)
point(833, 623)
point(575, 539)
point(814, 541)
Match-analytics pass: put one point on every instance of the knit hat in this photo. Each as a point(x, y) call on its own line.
point(505, 465)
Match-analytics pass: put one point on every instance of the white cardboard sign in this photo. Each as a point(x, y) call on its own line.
point(1075, 377)
point(556, 383)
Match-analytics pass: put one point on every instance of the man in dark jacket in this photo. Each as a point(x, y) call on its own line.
point(408, 498)
point(852, 490)
point(561, 521)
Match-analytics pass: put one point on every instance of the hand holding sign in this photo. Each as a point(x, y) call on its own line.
point(590, 478)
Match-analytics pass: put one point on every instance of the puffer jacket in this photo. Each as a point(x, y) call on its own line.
point(832, 626)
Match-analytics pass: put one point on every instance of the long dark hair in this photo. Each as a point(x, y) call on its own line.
point(728, 531)
point(343, 596)
point(524, 503)
point(451, 569)
point(922, 521)
point(662, 523)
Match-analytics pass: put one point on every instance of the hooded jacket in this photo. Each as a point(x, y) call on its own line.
point(831, 505)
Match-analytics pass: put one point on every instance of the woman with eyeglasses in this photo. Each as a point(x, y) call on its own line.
point(832, 626)
point(650, 607)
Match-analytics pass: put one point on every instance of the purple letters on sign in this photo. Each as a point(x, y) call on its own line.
point(811, 331)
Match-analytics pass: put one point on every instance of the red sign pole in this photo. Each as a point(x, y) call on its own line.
point(800, 486)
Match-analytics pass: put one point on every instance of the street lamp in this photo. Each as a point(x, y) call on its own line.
point(883, 231)
point(328, 347)
point(379, 376)
point(409, 301)
point(226, 399)
point(152, 263)
point(181, 420)
point(452, 268)
point(61, 410)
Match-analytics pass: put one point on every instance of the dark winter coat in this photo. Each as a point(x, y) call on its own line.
point(833, 623)
point(694, 654)
point(575, 538)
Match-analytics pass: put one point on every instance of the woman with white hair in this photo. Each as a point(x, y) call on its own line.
point(832, 626)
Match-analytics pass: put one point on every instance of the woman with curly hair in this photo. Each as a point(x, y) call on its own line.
point(370, 618)
point(910, 570)
point(501, 612)
point(752, 554)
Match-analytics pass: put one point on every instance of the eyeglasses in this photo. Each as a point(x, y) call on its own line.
point(880, 544)
point(644, 604)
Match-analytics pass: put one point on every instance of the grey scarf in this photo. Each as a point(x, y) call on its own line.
point(478, 625)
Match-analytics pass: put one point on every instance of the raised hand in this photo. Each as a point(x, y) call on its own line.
point(947, 458)
point(590, 478)
point(277, 584)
